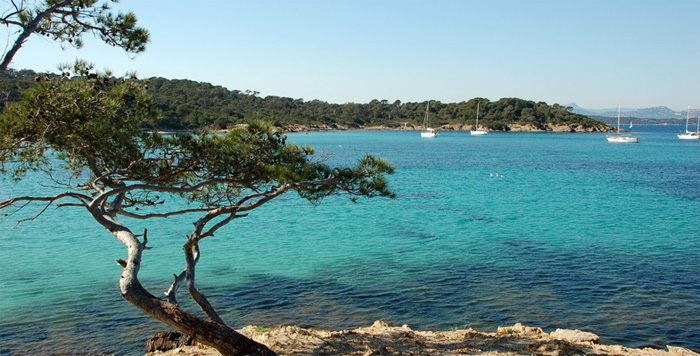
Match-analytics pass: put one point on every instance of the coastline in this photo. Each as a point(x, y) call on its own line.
point(515, 128)
point(574, 128)
point(382, 339)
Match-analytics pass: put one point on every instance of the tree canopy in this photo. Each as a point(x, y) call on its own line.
point(96, 129)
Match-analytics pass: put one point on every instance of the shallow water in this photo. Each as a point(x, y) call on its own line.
point(550, 230)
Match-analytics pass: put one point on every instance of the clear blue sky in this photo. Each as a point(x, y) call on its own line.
point(592, 52)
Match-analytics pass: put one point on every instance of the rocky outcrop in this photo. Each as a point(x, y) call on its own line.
point(575, 336)
point(168, 340)
point(571, 128)
point(383, 339)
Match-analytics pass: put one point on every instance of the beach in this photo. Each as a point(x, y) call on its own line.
point(383, 339)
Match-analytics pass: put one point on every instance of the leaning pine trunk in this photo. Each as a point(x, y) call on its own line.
point(217, 335)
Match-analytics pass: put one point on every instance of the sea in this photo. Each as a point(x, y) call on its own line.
point(549, 230)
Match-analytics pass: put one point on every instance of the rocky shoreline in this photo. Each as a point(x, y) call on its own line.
point(382, 339)
point(573, 128)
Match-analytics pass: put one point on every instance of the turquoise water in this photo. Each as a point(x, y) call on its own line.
point(550, 230)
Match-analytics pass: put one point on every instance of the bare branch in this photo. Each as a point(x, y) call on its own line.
point(156, 188)
point(161, 215)
point(221, 224)
point(18, 8)
point(145, 240)
point(83, 198)
point(172, 290)
point(263, 198)
point(49, 200)
point(37, 215)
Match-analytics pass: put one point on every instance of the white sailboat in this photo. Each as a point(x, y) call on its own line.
point(428, 132)
point(476, 130)
point(690, 135)
point(621, 138)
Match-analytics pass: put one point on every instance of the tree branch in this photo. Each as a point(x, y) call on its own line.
point(172, 290)
point(83, 198)
point(28, 30)
point(18, 9)
point(156, 188)
point(192, 254)
point(161, 215)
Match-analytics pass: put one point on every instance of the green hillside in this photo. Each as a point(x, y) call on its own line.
point(186, 104)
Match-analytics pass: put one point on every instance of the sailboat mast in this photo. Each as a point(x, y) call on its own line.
point(477, 117)
point(618, 118)
point(427, 109)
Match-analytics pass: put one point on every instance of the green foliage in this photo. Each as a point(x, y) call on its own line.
point(13, 82)
point(88, 122)
point(95, 126)
point(257, 158)
point(186, 104)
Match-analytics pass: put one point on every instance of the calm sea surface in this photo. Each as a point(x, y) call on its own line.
point(549, 230)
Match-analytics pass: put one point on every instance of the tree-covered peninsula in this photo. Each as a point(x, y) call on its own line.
point(187, 104)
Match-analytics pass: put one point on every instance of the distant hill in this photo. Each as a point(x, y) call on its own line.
point(659, 112)
point(187, 104)
point(625, 120)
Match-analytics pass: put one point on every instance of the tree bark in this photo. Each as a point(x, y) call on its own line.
point(221, 337)
point(217, 335)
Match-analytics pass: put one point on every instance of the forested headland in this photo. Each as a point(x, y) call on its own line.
point(187, 104)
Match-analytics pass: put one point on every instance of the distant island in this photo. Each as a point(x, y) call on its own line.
point(653, 114)
point(660, 115)
point(187, 104)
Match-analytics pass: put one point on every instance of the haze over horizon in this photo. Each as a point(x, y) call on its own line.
point(592, 53)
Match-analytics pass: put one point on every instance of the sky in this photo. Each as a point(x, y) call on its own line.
point(595, 53)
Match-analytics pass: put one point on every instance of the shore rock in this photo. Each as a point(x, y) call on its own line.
point(168, 340)
point(571, 128)
point(383, 339)
point(575, 336)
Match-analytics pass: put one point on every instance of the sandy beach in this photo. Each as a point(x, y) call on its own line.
point(383, 339)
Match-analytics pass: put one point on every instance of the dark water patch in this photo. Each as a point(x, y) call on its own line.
point(288, 301)
point(408, 233)
point(481, 218)
point(653, 296)
point(559, 295)
point(223, 270)
point(20, 333)
point(89, 322)
point(642, 304)
point(676, 180)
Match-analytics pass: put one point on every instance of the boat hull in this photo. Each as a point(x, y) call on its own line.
point(623, 139)
point(479, 132)
point(689, 136)
point(428, 133)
